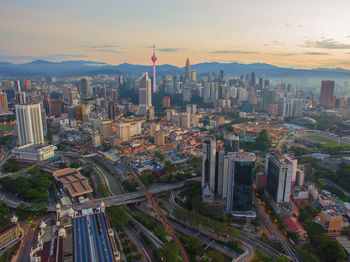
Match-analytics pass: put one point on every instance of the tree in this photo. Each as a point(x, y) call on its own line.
point(160, 156)
point(12, 165)
point(4, 213)
point(332, 250)
point(262, 142)
point(305, 255)
point(117, 216)
point(75, 164)
point(216, 256)
point(169, 251)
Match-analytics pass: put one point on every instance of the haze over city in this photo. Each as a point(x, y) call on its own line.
point(300, 34)
point(174, 131)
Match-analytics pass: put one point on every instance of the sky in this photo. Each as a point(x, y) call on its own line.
point(298, 33)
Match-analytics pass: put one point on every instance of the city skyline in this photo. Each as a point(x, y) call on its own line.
point(205, 31)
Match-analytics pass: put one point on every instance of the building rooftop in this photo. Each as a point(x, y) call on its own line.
point(294, 225)
point(91, 239)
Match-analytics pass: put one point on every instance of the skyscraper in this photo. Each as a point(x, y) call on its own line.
point(240, 171)
point(231, 143)
point(279, 170)
point(154, 59)
point(145, 94)
point(208, 162)
point(253, 79)
point(188, 71)
point(21, 98)
point(86, 88)
point(29, 124)
point(3, 103)
point(327, 93)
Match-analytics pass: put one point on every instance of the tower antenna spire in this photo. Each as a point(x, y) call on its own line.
point(154, 59)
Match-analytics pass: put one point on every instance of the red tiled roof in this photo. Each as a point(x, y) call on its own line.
point(294, 225)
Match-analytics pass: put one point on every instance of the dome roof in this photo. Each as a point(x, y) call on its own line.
point(306, 120)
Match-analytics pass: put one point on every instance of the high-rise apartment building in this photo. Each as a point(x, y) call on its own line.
point(166, 101)
point(327, 93)
point(159, 138)
point(86, 88)
point(240, 172)
point(145, 94)
point(79, 112)
point(188, 71)
point(29, 124)
point(208, 162)
point(21, 98)
point(231, 143)
point(279, 170)
point(3, 103)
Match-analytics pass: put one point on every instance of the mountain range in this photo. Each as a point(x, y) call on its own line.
point(41, 68)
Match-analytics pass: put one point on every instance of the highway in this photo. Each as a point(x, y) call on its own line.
point(140, 243)
point(277, 233)
point(160, 214)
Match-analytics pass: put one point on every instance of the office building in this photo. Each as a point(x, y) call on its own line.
point(21, 98)
point(112, 109)
point(151, 113)
point(292, 107)
point(240, 172)
point(260, 182)
point(159, 138)
point(145, 94)
point(327, 93)
point(34, 153)
point(56, 107)
point(86, 88)
point(154, 128)
point(208, 162)
point(186, 94)
point(219, 172)
point(279, 170)
point(272, 109)
point(27, 84)
point(3, 103)
point(79, 112)
point(188, 71)
point(29, 124)
point(331, 221)
point(231, 143)
point(96, 139)
point(9, 233)
point(106, 129)
point(166, 101)
point(185, 120)
point(194, 75)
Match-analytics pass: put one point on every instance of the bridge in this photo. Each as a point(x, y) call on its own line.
point(117, 200)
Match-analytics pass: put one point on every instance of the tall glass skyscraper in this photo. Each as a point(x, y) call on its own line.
point(240, 182)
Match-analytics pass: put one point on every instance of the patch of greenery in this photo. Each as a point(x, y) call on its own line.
point(33, 188)
point(12, 165)
point(129, 185)
point(117, 216)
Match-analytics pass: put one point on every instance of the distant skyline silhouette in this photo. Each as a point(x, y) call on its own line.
point(299, 34)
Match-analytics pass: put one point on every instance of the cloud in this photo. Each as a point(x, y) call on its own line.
point(107, 50)
point(327, 44)
point(316, 53)
point(169, 50)
point(276, 42)
point(104, 46)
point(233, 52)
point(283, 54)
point(49, 57)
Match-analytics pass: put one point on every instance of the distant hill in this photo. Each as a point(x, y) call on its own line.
point(39, 68)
